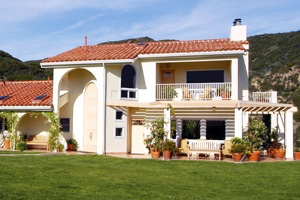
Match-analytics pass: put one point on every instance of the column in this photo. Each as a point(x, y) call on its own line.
point(289, 134)
point(167, 118)
point(234, 79)
point(203, 129)
point(238, 122)
point(178, 131)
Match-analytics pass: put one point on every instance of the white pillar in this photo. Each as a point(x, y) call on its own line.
point(203, 129)
point(234, 79)
point(178, 131)
point(289, 134)
point(245, 120)
point(167, 118)
point(238, 122)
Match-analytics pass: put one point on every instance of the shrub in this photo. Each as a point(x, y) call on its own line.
point(21, 146)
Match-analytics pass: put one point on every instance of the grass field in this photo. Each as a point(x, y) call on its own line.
point(19, 152)
point(103, 177)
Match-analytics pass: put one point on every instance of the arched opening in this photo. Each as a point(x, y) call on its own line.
point(128, 82)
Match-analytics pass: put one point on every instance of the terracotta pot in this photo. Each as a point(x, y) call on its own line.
point(279, 154)
point(6, 144)
point(254, 156)
point(296, 155)
point(155, 154)
point(237, 157)
point(167, 155)
point(225, 95)
point(269, 153)
point(71, 147)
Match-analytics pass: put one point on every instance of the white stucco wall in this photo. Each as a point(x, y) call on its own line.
point(33, 125)
point(147, 82)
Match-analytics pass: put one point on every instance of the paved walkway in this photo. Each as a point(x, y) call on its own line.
point(130, 156)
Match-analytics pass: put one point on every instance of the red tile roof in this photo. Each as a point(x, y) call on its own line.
point(22, 93)
point(132, 50)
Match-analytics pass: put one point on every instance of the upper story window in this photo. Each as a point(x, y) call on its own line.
point(128, 82)
point(205, 76)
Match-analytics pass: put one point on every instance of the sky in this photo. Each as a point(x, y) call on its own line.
point(37, 29)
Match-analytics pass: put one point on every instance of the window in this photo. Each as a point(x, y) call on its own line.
point(207, 76)
point(65, 124)
point(128, 76)
point(191, 129)
point(40, 97)
point(2, 98)
point(119, 115)
point(119, 132)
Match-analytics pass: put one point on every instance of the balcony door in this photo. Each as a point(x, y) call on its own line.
point(167, 76)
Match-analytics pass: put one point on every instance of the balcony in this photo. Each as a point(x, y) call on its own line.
point(268, 97)
point(193, 91)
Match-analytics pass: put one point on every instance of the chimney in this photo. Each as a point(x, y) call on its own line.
point(85, 42)
point(238, 31)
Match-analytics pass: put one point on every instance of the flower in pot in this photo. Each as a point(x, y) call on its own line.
point(237, 149)
point(168, 92)
point(253, 139)
point(157, 136)
point(169, 148)
point(224, 92)
point(278, 150)
point(297, 150)
point(60, 147)
point(72, 144)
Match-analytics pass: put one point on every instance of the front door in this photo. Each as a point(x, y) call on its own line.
point(167, 76)
point(137, 144)
point(90, 118)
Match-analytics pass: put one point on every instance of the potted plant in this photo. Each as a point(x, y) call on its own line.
point(237, 149)
point(154, 142)
point(253, 139)
point(60, 147)
point(224, 92)
point(168, 92)
point(277, 150)
point(297, 150)
point(72, 144)
point(169, 148)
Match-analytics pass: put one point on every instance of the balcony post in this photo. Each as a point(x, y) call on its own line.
point(238, 122)
point(234, 79)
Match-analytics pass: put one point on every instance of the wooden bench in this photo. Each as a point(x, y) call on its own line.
point(205, 147)
point(37, 140)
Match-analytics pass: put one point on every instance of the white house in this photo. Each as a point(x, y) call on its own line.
point(108, 92)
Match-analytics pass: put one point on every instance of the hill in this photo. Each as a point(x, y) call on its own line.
point(14, 69)
point(275, 64)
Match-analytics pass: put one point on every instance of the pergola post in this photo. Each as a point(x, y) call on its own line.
point(238, 122)
point(167, 119)
point(289, 142)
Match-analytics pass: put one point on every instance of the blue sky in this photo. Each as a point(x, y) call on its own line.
point(36, 29)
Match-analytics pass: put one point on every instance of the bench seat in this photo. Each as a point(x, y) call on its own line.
point(37, 140)
point(206, 147)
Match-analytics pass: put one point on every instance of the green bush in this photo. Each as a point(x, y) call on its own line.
point(21, 146)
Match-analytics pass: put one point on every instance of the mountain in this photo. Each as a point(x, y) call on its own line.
point(14, 69)
point(275, 64)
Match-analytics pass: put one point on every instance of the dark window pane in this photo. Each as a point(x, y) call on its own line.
point(128, 76)
point(124, 93)
point(119, 132)
point(131, 94)
point(213, 76)
point(119, 115)
point(65, 124)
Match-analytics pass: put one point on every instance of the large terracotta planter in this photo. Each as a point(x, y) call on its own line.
point(279, 154)
point(237, 157)
point(6, 144)
point(296, 155)
point(155, 154)
point(167, 155)
point(254, 156)
point(71, 147)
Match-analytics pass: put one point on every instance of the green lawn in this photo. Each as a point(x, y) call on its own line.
point(103, 177)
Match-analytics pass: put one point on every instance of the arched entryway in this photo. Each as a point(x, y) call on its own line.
point(90, 118)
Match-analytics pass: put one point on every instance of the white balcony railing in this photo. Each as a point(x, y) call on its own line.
point(269, 97)
point(193, 91)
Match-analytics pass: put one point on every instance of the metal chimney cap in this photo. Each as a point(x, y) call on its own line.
point(237, 21)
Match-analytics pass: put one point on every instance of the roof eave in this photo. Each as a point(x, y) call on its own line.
point(191, 54)
point(84, 62)
point(26, 108)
